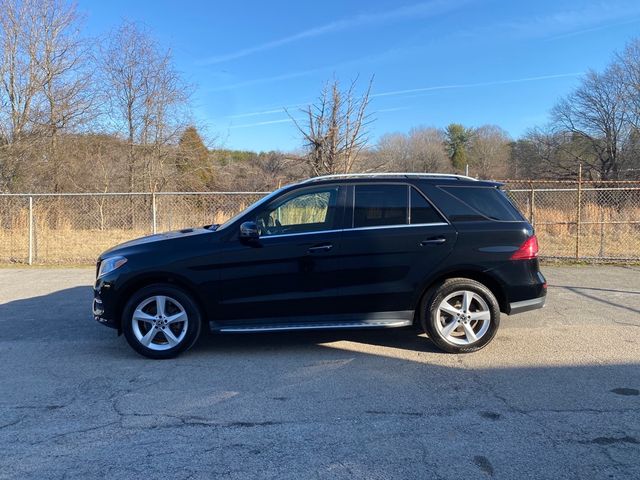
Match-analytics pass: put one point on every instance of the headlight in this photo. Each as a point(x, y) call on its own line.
point(109, 264)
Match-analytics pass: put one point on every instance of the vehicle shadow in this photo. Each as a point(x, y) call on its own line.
point(65, 315)
point(580, 291)
point(408, 338)
point(597, 289)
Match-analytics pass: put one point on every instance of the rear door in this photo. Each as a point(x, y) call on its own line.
point(395, 238)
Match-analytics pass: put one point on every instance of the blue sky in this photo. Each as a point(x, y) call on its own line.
point(435, 62)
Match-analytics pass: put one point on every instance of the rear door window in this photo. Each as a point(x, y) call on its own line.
point(421, 210)
point(380, 205)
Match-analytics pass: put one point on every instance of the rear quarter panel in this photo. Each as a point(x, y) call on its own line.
point(490, 244)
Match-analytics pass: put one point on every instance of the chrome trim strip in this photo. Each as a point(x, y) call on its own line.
point(377, 227)
point(435, 224)
point(390, 174)
point(311, 326)
point(298, 234)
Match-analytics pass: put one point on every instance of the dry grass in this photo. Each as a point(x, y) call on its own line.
point(63, 242)
point(66, 245)
point(599, 237)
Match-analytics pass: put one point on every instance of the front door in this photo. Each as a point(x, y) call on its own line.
point(290, 271)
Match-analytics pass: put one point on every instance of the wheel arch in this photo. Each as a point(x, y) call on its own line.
point(471, 273)
point(136, 283)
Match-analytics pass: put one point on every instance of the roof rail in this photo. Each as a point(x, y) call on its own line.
point(378, 175)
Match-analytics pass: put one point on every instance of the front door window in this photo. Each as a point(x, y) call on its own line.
point(306, 212)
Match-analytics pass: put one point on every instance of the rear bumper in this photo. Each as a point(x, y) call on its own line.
point(526, 305)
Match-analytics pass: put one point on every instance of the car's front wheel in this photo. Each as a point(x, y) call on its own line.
point(460, 316)
point(161, 321)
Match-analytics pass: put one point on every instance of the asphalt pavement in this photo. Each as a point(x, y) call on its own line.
point(555, 395)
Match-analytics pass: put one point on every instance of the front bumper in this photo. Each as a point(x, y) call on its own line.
point(527, 305)
point(99, 312)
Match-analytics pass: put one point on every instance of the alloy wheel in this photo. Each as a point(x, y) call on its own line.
point(463, 317)
point(159, 322)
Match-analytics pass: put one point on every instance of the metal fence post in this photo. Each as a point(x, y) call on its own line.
point(532, 206)
point(154, 212)
point(64, 220)
point(30, 230)
point(578, 211)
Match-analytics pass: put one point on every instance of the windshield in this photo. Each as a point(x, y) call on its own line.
point(252, 207)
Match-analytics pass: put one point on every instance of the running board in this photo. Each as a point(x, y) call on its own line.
point(282, 327)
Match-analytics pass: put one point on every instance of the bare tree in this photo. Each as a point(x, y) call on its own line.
point(63, 64)
point(422, 150)
point(43, 83)
point(629, 68)
point(252, 171)
point(148, 101)
point(489, 151)
point(427, 149)
point(394, 153)
point(21, 80)
point(597, 115)
point(20, 85)
point(335, 128)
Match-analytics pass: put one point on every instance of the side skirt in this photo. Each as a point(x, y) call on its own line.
point(350, 321)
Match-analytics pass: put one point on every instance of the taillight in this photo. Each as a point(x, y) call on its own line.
point(528, 250)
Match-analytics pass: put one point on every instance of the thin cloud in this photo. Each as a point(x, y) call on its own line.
point(409, 93)
point(593, 29)
point(392, 109)
point(256, 114)
point(473, 85)
point(287, 120)
point(564, 22)
point(258, 124)
point(266, 112)
point(258, 81)
point(419, 10)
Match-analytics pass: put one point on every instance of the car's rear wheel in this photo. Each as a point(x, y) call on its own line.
point(460, 316)
point(161, 321)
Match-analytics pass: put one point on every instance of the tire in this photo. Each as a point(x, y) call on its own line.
point(451, 327)
point(167, 321)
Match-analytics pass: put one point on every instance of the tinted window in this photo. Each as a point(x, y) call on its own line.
point(305, 212)
point(488, 201)
point(379, 205)
point(421, 209)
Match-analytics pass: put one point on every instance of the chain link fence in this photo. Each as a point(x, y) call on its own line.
point(75, 228)
point(592, 221)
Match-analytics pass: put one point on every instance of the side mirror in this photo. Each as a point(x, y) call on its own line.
point(249, 231)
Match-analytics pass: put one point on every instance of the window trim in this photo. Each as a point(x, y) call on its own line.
point(386, 227)
point(281, 199)
point(443, 188)
point(281, 235)
point(353, 203)
point(433, 205)
point(409, 186)
point(348, 229)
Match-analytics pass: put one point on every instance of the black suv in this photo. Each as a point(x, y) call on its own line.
point(445, 252)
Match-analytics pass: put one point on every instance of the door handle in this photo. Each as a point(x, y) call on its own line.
point(432, 241)
point(320, 248)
